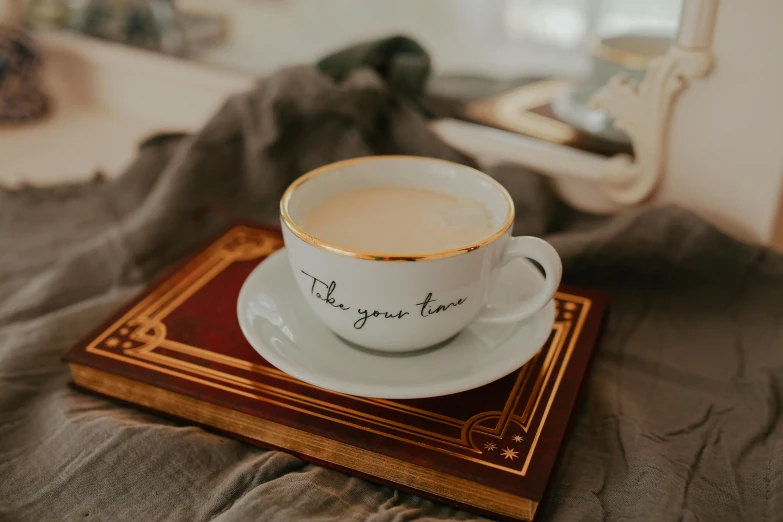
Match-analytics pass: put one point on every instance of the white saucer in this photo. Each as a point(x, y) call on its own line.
point(279, 324)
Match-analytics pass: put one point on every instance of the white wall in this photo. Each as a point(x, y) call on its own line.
point(726, 149)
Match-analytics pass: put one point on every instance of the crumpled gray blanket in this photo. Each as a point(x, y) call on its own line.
point(682, 413)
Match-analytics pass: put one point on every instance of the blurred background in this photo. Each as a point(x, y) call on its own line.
point(88, 80)
point(477, 54)
point(501, 38)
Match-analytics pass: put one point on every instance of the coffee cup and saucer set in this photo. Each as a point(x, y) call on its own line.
point(400, 279)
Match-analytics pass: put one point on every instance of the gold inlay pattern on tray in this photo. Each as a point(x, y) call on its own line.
point(485, 438)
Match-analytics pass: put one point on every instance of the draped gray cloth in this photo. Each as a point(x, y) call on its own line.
point(682, 413)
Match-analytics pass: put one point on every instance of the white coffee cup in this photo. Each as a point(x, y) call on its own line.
point(399, 301)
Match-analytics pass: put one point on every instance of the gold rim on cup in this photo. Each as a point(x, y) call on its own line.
point(382, 256)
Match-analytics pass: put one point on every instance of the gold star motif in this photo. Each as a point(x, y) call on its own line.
point(509, 453)
point(489, 446)
point(124, 331)
point(127, 344)
point(570, 306)
point(568, 315)
point(112, 342)
point(517, 438)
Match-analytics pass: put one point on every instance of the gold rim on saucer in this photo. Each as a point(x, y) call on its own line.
point(383, 256)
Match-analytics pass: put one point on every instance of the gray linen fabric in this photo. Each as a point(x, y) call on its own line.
point(682, 415)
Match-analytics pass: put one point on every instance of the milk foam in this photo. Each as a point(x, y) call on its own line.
point(399, 220)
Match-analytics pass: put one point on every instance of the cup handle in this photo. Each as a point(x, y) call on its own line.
point(542, 252)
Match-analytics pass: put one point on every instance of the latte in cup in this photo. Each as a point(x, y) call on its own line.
point(398, 253)
point(399, 220)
